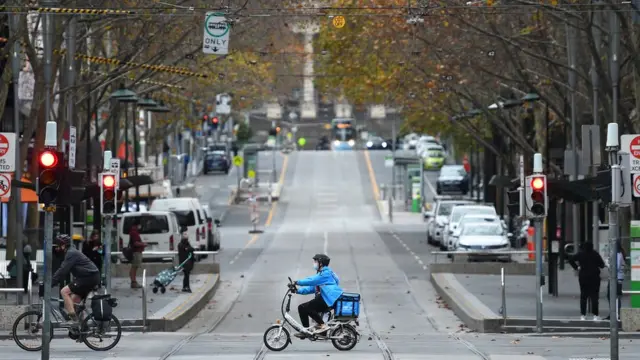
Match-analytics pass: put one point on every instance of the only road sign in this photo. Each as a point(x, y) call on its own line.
point(636, 185)
point(339, 21)
point(5, 185)
point(251, 174)
point(237, 160)
point(7, 152)
point(216, 34)
point(631, 144)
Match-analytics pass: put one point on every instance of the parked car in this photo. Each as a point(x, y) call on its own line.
point(454, 220)
point(452, 179)
point(437, 219)
point(216, 160)
point(474, 218)
point(213, 233)
point(158, 229)
point(487, 238)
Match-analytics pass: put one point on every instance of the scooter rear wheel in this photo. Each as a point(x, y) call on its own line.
point(275, 342)
point(349, 340)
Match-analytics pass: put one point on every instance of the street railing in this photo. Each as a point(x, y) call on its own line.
point(18, 291)
point(481, 253)
point(168, 253)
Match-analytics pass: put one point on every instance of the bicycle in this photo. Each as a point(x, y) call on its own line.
point(88, 326)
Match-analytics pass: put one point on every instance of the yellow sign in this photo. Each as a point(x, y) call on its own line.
point(237, 160)
point(339, 21)
point(251, 174)
point(302, 141)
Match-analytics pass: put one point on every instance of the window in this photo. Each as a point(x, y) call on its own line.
point(453, 171)
point(149, 224)
point(445, 208)
point(185, 217)
point(459, 214)
point(483, 230)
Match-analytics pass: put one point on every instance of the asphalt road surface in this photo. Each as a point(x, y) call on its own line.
point(327, 206)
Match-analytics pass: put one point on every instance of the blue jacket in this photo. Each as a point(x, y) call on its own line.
point(328, 282)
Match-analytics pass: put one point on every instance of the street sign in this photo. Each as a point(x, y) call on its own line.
point(631, 143)
point(388, 161)
point(636, 185)
point(274, 111)
point(251, 174)
point(625, 198)
point(216, 34)
point(114, 167)
point(237, 160)
point(5, 185)
point(339, 21)
point(7, 152)
point(72, 147)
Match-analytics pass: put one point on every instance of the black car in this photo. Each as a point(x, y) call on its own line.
point(452, 179)
point(216, 161)
point(323, 144)
point(377, 143)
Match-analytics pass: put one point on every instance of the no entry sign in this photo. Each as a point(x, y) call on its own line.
point(631, 144)
point(7, 152)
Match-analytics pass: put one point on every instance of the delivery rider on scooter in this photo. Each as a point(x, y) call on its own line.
point(325, 285)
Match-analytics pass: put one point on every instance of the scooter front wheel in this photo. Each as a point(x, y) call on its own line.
point(276, 338)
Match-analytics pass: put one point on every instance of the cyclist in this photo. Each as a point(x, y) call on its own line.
point(325, 285)
point(86, 275)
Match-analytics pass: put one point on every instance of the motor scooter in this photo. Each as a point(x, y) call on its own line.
point(342, 330)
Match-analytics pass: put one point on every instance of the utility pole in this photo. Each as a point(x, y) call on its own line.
point(71, 78)
point(612, 148)
point(571, 44)
point(595, 82)
point(393, 156)
point(51, 140)
point(15, 68)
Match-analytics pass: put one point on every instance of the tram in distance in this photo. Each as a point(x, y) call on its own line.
point(343, 134)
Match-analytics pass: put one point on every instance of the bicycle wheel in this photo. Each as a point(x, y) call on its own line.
point(30, 323)
point(101, 330)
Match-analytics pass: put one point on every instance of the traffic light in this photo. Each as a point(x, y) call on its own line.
point(214, 122)
point(205, 118)
point(108, 201)
point(50, 170)
point(536, 196)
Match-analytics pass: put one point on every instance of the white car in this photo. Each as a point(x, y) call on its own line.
point(454, 220)
point(437, 219)
point(473, 218)
point(485, 238)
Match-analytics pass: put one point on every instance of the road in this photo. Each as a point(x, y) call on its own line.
point(328, 206)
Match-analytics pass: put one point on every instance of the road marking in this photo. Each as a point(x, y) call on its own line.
point(326, 242)
point(272, 211)
point(404, 245)
point(372, 176)
point(430, 186)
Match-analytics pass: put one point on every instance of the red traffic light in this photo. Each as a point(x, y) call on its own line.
point(206, 117)
point(214, 120)
point(537, 184)
point(108, 181)
point(48, 159)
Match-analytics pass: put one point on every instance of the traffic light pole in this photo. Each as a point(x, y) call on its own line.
point(537, 226)
point(48, 255)
point(106, 245)
point(613, 255)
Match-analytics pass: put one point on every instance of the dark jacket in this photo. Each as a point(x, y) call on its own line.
point(93, 250)
point(77, 264)
point(184, 250)
point(135, 241)
point(589, 260)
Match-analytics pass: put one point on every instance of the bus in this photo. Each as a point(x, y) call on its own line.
point(343, 134)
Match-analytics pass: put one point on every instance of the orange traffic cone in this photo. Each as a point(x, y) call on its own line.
point(531, 247)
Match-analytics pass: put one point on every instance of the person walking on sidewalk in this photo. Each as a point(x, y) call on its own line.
point(185, 251)
point(590, 263)
point(137, 247)
point(621, 258)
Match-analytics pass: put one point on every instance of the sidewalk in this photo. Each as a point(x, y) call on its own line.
point(479, 299)
point(165, 312)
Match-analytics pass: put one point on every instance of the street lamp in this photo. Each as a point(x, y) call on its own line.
point(146, 104)
point(126, 96)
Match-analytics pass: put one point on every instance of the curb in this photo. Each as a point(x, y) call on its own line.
point(476, 316)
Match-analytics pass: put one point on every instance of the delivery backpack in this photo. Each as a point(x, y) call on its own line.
point(102, 307)
point(347, 305)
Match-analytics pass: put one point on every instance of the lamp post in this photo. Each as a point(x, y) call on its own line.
point(146, 104)
point(125, 95)
point(159, 108)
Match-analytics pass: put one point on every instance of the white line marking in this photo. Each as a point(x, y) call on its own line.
point(430, 186)
point(326, 243)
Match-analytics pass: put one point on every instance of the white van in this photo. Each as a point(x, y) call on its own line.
point(158, 229)
point(190, 214)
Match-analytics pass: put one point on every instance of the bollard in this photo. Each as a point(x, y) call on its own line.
point(144, 300)
point(503, 308)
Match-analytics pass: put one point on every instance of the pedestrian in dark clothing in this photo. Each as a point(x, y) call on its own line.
point(92, 249)
point(185, 251)
point(137, 245)
point(589, 264)
point(27, 268)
